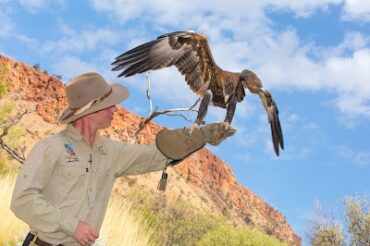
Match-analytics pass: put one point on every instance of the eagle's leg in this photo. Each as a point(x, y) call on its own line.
point(231, 106)
point(202, 111)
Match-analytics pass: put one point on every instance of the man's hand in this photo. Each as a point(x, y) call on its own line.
point(85, 234)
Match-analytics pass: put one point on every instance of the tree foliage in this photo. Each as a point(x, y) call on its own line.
point(327, 235)
point(325, 231)
point(226, 235)
point(176, 222)
point(5, 110)
point(358, 220)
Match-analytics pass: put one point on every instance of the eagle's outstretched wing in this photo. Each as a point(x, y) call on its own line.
point(188, 51)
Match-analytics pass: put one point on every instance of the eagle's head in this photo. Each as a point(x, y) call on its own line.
point(250, 80)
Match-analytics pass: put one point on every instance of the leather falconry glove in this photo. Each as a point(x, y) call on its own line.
point(178, 144)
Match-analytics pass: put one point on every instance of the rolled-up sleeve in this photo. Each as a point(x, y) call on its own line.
point(134, 159)
point(28, 201)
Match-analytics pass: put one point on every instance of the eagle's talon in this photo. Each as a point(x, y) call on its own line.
point(226, 125)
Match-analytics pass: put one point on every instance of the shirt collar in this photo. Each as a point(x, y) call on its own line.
point(73, 133)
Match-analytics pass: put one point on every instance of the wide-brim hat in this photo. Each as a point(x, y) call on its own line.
point(89, 93)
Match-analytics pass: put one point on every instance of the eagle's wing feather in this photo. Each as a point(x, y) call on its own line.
point(254, 85)
point(276, 132)
point(188, 51)
point(273, 118)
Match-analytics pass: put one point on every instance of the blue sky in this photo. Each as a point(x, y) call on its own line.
point(313, 56)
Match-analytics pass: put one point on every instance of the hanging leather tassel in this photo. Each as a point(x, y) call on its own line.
point(162, 185)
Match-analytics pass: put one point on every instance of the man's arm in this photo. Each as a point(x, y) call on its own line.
point(28, 202)
point(170, 145)
point(134, 159)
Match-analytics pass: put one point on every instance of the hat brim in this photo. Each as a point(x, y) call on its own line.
point(119, 93)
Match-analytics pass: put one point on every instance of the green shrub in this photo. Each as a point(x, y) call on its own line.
point(326, 231)
point(358, 220)
point(36, 66)
point(228, 235)
point(327, 235)
point(177, 222)
point(5, 110)
point(14, 136)
point(6, 167)
point(180, 224)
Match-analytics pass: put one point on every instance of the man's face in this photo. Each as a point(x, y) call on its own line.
point(103, 118)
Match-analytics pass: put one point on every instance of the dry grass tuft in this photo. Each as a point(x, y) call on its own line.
point(125, 225)
point(12, 229)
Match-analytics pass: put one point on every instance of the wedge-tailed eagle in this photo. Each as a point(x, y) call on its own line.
point(190, 53)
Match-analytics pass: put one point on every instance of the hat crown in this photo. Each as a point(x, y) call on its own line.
point(85, 88)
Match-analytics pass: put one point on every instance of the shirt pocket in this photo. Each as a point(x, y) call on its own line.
point(73, 171)
point(74, 182)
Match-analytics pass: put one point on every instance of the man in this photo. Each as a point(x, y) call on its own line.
point(63, 189)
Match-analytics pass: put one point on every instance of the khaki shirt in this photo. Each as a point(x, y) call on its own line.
point(64, 180)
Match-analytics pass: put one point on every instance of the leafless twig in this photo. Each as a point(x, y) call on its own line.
point(148, 93)
point(155, 113)
point(6, 126)
point(166, 112)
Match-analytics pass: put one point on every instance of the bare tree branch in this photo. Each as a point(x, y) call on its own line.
point(155, 113)
point(6, 126)
point(148, 93)
point(166, 112)
point(12, 152)
point(180, 115)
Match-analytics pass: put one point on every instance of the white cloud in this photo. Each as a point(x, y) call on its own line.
point(70, 66)
point(357, 10)
point(171, 84)
point(165, 11)
point(7, 25)
point(76, 41)
point(8, 28)
point(302, 8)
point(361, 158)
point(352, 41)
point(349, 76)
point(293, 118)
point(33, 6)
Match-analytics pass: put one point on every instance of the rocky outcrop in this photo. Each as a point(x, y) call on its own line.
point(208, 179)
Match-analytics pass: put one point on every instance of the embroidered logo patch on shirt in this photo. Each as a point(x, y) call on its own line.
point(72, 157)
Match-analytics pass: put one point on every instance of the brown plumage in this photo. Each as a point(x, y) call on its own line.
point(190, 53)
